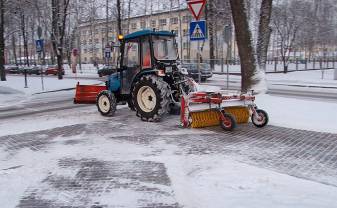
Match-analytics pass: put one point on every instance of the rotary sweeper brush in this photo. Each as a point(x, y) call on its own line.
point(203, 109)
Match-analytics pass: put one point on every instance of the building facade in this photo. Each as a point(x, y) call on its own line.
point(94, 35)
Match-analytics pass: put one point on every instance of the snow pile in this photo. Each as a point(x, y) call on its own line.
point(13, 90)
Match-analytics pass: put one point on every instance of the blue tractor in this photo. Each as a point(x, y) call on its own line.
point(148, 77)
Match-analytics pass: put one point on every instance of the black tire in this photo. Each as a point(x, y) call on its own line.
point(106, 103)
point(100, 75)
point(203, 79)
point(130, 104)
point(263, 118)
point(156, 104)
point(228, 123)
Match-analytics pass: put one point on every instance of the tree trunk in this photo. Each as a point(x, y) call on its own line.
point(14, 49)
point(2, 42)
point(119, 19)
point(264, 33)
point(244, 42)
point(24, 36)
point(210, 20)
point(59, 17)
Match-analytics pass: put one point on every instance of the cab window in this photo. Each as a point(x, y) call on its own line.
point(146, 54)
point(131, 58)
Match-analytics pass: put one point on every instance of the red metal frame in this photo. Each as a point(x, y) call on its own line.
point(86, 94)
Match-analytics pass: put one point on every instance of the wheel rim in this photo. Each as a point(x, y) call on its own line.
point(227, 122)
point(146, 99)
point(104, 103)
point(259, 119)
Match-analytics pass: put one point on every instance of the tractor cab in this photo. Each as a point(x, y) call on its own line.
point(146, 52)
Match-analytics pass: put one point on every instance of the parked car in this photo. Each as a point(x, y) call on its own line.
point(106, 70)
point(12, 70)
point(53, 70)
point(192, 69)
point(31, 70)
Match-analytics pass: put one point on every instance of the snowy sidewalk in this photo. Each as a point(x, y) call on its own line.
point(12, 92)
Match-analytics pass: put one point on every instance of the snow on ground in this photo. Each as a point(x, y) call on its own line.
point(196, 181)
point(50, 120)
point(12, 91)
point(216, 181)
point(299, 114)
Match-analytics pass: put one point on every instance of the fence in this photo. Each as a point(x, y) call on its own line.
point(233, 67)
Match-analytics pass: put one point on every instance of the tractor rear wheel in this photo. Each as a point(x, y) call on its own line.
point(130, 104)
point(151, 98)
point(106, 103)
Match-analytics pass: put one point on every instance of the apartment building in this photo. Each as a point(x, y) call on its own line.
point(93, 35)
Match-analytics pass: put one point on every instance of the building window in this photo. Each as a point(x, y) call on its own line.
point(96, 40)
point(85, 51)
point(186, 18)
point(84, 32)
point(90, 41)
point(103, 30)
point(142, 24)
point(134, 26)
point(84, 42)
point(162, 22)
point(153, 23)
point(174, 20)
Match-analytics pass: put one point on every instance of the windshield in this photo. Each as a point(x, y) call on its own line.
point(164, 48)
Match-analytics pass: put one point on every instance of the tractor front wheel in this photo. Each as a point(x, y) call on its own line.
point(106, 103)
point(151, 97)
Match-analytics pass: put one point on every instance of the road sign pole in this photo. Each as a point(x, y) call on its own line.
point(25, 71)
point(42, 84)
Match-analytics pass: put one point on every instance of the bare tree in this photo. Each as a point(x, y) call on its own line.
point(286, 21)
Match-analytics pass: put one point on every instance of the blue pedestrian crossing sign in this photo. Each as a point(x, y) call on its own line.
point(198, 30)
point(39, 45)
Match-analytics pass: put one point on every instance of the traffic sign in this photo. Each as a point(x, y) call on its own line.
point(107, 54)
point(196, 7)
point(39, 45)
point(198, 30)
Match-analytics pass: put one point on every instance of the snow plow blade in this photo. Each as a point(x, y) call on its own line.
point(86, 94)
point(212, 117)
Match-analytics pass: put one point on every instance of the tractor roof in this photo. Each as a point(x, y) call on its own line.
point(146, 33)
